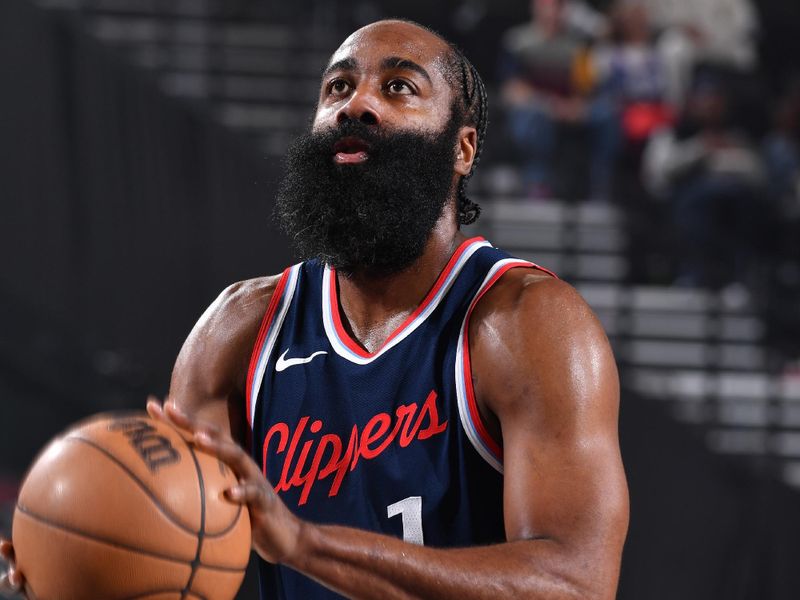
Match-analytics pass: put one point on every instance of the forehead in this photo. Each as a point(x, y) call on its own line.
point(370, 45)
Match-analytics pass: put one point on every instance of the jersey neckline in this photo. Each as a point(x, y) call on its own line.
point(348, 348)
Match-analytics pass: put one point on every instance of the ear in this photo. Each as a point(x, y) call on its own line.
point(467, 146)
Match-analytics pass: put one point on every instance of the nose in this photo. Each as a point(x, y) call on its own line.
point(360, 106)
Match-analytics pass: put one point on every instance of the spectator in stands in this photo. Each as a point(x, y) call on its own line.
point(712, 176)
point(716, 33)
point(547, 90)
point(781, 151)
point(584, 20)
point(633, 74)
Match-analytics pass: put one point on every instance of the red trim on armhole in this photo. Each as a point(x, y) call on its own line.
point(337, 320)
point(494, 446)
point(262, 334)
point(352, 345)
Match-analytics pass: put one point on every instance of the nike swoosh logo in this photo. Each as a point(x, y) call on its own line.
point(284, 363)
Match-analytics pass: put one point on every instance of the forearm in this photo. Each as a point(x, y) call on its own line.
point(365, 565)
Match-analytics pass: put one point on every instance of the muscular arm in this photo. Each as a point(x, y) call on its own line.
point(546, 381)
point(208, 380)
point(544, 370)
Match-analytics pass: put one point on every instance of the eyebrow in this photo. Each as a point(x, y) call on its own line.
point(346, 64)
point(395, 62)
point(391, 62)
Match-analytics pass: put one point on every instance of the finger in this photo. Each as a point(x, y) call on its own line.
point(154, 408)
point(183, 420)
point(229, 452)
point(5, 584)
point(249, 493)
point(174, 417)
point(16, 579)
point(12, 580)
point(178, 417)
point(6, 549)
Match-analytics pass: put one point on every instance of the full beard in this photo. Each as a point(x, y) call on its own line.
point(375, 217)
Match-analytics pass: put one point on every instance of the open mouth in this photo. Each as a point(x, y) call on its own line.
point(350, 150)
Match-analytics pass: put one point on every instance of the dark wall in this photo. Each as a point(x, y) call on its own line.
point(122, 215)
point(703, 527)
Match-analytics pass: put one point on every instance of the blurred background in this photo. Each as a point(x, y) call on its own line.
point(646, 150)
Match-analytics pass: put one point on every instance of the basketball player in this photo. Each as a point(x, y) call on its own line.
point(426, 415)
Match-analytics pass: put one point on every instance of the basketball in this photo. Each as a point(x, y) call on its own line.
point(123, 506)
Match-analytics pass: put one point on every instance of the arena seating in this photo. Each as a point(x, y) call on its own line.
point(700, 353)
point(254, 75)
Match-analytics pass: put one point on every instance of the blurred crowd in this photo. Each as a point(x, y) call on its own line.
point(660, 103)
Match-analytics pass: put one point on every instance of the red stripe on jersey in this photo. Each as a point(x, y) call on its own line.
point(354, 346)
point(262, 335)
point(337, 321)
point(493, 445)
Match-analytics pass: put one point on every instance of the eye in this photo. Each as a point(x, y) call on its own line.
point(338, 87)
point(400, 87)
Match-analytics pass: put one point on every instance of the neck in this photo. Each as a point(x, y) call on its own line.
point(372, 307)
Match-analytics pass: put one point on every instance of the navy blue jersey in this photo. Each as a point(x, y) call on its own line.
point(390, 441)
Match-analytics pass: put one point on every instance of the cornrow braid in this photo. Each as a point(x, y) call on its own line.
point(476, 111)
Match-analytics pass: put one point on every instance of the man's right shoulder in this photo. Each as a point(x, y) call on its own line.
point(218, 348)
point(246, 298)
point(236, 314)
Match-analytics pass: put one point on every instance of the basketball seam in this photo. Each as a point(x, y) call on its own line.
point(172, 518)
point(118, 544)
point(201, 533)
point(228, 528)
point(155, 500)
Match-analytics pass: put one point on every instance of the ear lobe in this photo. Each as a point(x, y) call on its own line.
point(467, 147)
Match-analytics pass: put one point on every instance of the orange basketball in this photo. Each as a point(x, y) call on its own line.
point(122, 506)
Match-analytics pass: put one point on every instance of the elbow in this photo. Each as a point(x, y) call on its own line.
point(593, 591)
point(567, 576)
point(574, 590)
point(594, 584)
point(593, 578)
point(567, 590)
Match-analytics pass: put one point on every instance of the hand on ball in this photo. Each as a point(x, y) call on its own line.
point(12, 580)
point(275, 530)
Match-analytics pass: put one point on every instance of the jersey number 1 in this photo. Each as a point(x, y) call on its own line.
point(411, 510)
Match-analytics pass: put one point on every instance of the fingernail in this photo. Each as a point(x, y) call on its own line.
point(235, 493)
point(202, 437)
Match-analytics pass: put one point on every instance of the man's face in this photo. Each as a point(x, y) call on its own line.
point(365, 187)
point(391, 73)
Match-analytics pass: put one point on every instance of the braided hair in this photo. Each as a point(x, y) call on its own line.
point(471, 97)
point(476, 112)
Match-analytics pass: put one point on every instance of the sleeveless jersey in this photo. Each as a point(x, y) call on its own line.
point(390, 441)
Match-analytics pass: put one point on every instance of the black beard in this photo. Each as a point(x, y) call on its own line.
point(374, 217)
